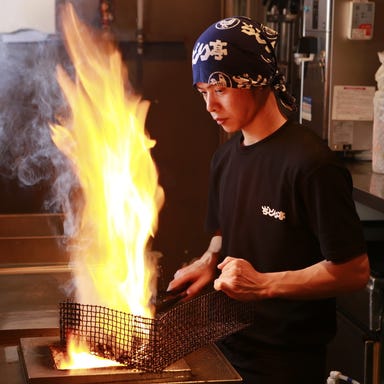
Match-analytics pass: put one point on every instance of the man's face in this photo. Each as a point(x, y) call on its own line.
point(233, 109)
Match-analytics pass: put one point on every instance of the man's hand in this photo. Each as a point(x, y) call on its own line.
point(195, 276)
point(240, 281)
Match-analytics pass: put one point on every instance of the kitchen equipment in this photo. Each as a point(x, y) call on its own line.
point(176, 346)
point(284, 17)
point(337, 81)
point(153, 344)
point(205, 365)
point(357, 347)
point(34, 273)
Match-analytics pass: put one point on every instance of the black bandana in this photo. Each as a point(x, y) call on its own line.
point(238, 52)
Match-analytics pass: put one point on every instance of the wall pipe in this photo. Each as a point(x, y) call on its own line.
point(140, 27)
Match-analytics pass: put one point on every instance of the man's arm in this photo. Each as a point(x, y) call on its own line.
point(241, 281)
point(199, 273)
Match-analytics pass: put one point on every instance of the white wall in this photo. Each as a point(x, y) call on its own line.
point(27, 14)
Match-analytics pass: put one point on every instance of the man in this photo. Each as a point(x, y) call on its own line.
point(285, 230)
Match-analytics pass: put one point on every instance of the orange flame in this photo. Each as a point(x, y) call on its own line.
point(80, 358)
point(110, 150)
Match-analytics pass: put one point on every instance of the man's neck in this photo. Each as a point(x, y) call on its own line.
point(268, 120)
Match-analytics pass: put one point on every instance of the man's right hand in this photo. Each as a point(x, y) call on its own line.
point(194, 277)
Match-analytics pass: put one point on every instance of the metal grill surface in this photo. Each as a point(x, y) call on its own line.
point(152, 344)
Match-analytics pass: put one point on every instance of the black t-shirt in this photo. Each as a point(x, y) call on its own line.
point(285, 203)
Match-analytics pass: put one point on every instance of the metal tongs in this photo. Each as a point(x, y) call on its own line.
point(168, 299)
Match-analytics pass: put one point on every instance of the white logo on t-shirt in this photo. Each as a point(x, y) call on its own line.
point(267, 211)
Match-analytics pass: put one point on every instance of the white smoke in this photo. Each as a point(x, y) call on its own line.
point(30, 100)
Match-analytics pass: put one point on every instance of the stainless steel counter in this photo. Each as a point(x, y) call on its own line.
point(34, 273)
point(208, 365)
point(368, 187)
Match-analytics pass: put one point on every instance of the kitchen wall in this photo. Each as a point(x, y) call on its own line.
point(185, 135)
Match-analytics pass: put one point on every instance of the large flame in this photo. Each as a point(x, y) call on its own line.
point(80, 358)
point(109, 148)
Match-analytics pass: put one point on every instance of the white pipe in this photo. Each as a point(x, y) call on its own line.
point(140, 26)
point(140, 15)
point(248, 8)
point(39, 269)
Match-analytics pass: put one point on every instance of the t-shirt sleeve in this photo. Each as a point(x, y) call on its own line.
point(332, 215)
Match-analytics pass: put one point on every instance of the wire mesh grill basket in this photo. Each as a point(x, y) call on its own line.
point(153, 344)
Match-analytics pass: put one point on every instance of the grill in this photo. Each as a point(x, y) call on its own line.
point(31, 319)
point(153, 344)
point(206, 365)
point(175, 347)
